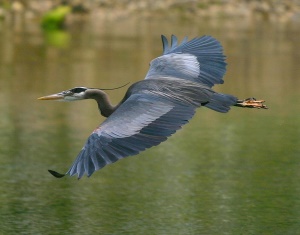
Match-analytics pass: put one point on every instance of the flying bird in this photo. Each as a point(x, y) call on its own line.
point(178, 82)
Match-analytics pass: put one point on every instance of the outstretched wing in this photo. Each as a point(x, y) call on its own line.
point(141, 122)
point(200, 60)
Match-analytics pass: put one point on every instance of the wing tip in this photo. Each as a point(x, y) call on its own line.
point(174, 41)
point(56, 174)
point(165, 44)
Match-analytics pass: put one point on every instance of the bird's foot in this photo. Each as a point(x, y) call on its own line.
point(251, 103)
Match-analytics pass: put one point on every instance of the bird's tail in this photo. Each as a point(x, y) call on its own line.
point(221, 102)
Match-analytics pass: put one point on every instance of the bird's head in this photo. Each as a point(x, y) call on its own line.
point(76, 93)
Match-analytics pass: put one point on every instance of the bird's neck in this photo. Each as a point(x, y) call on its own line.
point(104, 104)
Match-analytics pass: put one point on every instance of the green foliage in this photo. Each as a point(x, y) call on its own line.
point(55, 18)
point(57, 38)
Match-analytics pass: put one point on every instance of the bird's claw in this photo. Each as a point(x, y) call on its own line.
point(252, 103)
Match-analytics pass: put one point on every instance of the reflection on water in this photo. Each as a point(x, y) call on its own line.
point(222, 174)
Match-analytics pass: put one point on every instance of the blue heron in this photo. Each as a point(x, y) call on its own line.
point(178, 82)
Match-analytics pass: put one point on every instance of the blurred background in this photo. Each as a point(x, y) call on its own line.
point(234, 173)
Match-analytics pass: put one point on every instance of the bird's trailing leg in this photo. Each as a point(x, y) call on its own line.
point(251, 103)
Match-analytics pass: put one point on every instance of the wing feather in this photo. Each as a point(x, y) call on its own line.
point(165, 44)
point(110, 142)
point(173, 42)
point(200, 60)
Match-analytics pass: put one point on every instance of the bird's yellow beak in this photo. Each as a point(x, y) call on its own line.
point(52, 97)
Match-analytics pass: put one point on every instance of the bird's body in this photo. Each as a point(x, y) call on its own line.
point(176, 84)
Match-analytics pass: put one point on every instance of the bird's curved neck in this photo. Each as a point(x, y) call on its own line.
point(104, 104)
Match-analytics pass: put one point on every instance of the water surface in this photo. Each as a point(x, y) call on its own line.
point(235, 173)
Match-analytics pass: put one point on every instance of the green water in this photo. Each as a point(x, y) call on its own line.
point(235, 173)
